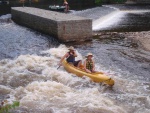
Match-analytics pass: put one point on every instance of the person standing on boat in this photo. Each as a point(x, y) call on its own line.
point(66, 6)
point(70, 57)
point(89, 64)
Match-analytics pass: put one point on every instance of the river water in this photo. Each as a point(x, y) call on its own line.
point(28, 67)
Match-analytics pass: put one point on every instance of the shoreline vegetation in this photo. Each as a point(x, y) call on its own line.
point(5, 107)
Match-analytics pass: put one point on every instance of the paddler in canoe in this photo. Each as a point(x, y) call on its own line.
point(75, 67)
point(70, 57)
point(89, 64)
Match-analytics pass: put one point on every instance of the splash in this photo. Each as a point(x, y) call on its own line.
point(58, 98)
point(109, 20)
point(5, 18)
point(36, 83)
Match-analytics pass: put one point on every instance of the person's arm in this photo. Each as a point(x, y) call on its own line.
point(66, 55)
point(75, 54)
point(93, 65)
point(84, 64)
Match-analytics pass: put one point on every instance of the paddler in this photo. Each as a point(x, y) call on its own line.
point(70, 57)
point(89, 64)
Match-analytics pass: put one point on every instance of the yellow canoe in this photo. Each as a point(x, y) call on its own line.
point(96, 77)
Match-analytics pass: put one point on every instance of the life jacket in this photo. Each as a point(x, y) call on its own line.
point(89, 64)
point(70, 58)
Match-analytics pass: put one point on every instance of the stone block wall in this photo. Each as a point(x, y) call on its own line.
point(64, 27)
point(75, 30)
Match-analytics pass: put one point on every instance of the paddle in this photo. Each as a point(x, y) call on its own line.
point(60, 64)
point(58, 67)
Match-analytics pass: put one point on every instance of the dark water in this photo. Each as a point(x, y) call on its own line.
point(16, 40)
point(28, 67)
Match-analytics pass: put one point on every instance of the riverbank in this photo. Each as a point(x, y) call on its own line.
point(140, 39)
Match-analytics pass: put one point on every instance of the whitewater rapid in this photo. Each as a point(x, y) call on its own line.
point(29, 74)
point(39, 86)
point(36, 83)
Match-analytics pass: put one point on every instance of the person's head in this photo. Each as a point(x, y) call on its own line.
point(71, 49)
point(89, 56)
point(65, 1)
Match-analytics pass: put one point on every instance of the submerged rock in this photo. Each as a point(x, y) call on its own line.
point(138, 39)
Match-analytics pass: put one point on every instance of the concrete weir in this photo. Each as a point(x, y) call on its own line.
point(63, 26)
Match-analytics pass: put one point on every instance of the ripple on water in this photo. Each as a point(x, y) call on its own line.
point(16, 40)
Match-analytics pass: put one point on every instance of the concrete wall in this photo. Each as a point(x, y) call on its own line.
point(63, 26)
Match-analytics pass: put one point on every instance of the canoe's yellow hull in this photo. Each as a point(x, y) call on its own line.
point(96, 77)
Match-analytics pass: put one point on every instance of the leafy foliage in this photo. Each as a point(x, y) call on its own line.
point(6, 108)
point(98, 2)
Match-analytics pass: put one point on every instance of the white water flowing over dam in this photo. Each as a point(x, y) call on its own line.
point(114, 19)
point(107, 21)
point(109, 17)
point(29, 74)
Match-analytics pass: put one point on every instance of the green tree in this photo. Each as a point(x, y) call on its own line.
point(98, 2)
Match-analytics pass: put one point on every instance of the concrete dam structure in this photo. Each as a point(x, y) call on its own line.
point(64, 27)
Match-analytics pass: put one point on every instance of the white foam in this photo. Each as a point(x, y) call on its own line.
point(136, 11)
point(109, 20)
point(7, 16)
point(57, 95)
point(40, 87)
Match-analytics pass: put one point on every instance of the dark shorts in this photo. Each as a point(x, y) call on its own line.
point(75, 63)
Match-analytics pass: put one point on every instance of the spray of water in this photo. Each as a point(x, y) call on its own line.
point(38, 85)
point(107, 21)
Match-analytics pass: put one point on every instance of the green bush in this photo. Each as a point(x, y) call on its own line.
point(6, 108)
point(98, 2)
